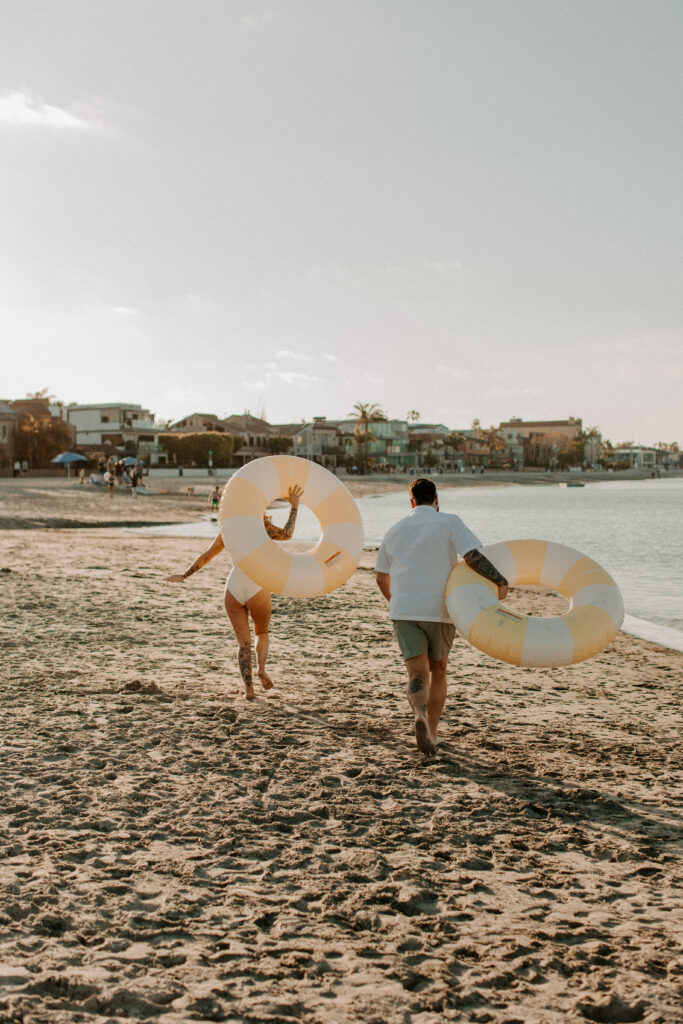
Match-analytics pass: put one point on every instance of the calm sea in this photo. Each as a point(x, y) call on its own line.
point(633, 528)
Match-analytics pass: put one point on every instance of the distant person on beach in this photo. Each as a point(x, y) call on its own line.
point(214, 499)
point(412, 570)
point(134, 481)
point(243, 598)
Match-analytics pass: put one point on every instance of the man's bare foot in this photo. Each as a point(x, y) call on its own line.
point(417, 701)
point(423, 736)
point(249, 692)
point(266, 681)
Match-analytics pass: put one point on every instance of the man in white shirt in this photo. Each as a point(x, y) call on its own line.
point(412, 570)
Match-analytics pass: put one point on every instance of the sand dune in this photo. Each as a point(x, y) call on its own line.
point(173, 852)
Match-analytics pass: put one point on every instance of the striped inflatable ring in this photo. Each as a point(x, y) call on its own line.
point(246, 497)
point(596, 609)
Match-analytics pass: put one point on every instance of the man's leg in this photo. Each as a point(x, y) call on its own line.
point(437, 693)
point(418, 697)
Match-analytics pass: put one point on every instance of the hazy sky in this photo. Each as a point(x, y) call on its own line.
point(465, 207)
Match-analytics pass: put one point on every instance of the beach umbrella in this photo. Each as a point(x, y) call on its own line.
point(130, 461)
point(68, 457)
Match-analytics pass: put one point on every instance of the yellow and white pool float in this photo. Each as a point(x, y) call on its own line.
point(246, 497)
point(596, 608)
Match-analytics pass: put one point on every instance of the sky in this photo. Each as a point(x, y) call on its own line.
point(469, 208)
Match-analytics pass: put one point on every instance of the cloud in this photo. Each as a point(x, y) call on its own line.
point(459, 415)
point(182, 397)
point(455, 371)
point(20, 109)
point(332, 271)
point(286, 353)
point(448, 268)
point(290, 377)
point(372, 377)
point(277, 377)
point(123, 310)
point(330, 358)
point(513, 392)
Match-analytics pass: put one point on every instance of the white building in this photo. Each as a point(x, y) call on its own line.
point(116, 427)
point(634, 458)
point(318, 441)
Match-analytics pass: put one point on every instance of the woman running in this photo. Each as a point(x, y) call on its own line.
point(243, 598)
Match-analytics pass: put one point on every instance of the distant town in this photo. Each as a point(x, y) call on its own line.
point(36, 429)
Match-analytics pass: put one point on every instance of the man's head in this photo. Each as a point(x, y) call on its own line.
point(423, 492)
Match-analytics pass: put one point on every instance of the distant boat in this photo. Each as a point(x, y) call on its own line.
point(576, 483)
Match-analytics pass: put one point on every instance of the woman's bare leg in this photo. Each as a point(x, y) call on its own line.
point(261, 658)
point(259, 608)
point(237, 613)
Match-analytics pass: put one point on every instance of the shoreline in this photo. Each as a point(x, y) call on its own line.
point(34, 505)
point(30, 503)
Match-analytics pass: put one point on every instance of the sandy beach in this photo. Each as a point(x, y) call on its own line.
point(172, 852)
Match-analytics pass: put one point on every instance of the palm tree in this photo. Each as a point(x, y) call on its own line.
point(458, 442)
point(366, 413)
point(413, 416)
point(44, 395)
point(494, 440)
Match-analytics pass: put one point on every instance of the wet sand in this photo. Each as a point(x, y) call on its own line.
point(173, 852)
point(31, 503)
point(55, 502)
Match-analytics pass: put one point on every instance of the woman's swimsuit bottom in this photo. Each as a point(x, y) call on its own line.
point(240, 586)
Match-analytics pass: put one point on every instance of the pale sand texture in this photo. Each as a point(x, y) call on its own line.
point(172, 852)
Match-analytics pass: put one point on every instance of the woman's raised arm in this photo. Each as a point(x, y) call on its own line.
point(285, 532)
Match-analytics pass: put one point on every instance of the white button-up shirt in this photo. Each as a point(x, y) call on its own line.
point(419, 552)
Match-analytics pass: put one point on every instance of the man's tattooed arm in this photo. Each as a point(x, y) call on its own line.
point(481, 564)
point(282, 532)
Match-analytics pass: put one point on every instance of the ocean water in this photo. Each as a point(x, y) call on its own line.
point(632, 528)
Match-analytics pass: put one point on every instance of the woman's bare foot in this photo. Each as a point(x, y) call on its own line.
point(249, 692)
point(266, 681)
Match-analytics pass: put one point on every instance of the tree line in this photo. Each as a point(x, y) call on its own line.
point(198, 449)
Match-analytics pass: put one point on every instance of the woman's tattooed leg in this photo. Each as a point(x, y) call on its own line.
point(244, 660)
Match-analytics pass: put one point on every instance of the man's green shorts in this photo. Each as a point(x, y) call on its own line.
point(432, 638)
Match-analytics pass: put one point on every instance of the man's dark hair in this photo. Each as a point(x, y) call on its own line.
point(423, 491)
